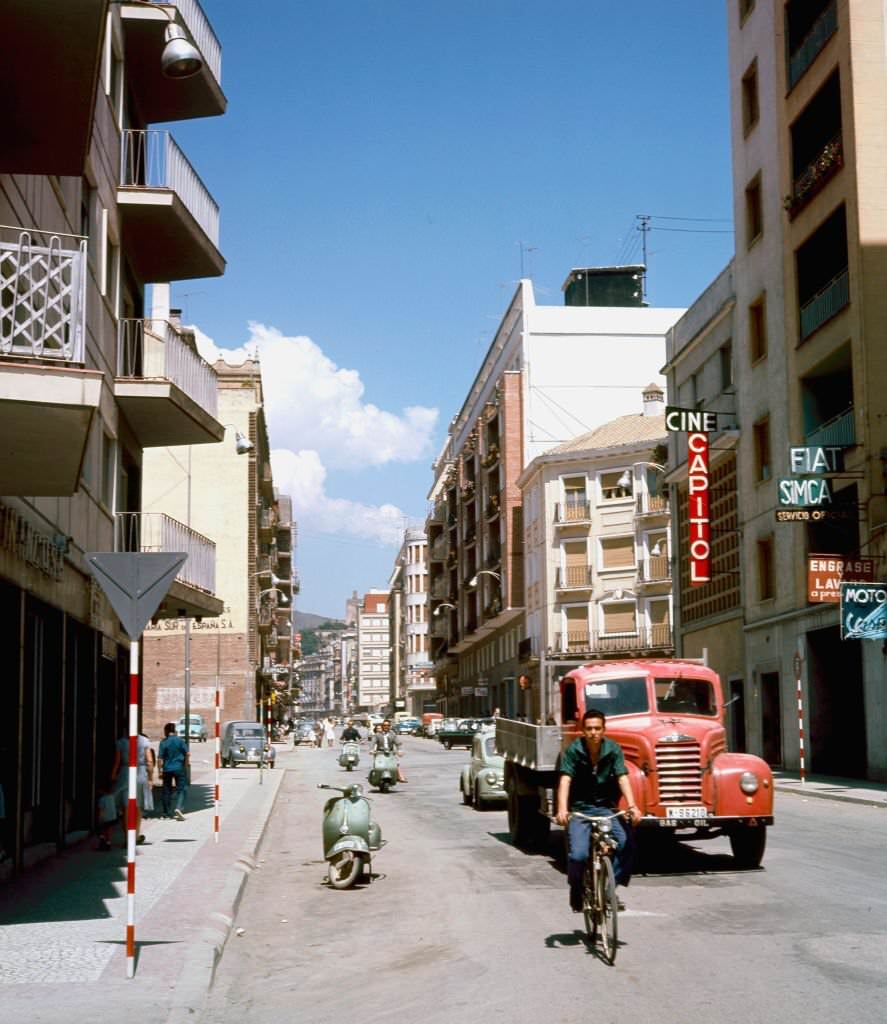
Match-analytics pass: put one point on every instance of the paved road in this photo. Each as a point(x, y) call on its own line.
point(461, 926)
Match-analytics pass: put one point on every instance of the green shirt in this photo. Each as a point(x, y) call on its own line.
point(593, 786)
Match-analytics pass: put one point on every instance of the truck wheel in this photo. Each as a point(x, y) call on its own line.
point(748, 846)
point(529, 829)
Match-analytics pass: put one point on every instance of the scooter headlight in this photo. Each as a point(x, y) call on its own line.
point(748, 783)
point(343, 830)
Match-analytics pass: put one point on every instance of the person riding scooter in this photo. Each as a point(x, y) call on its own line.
point(388, 742)
point(350, 733)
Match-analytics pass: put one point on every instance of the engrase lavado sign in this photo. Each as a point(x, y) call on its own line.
point(864, 611)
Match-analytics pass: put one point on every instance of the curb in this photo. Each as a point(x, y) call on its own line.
point(199, 968)
point(797, 789)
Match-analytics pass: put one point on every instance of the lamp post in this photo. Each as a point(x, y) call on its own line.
point(179, 57)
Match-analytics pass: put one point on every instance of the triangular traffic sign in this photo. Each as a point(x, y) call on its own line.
point(135, 583)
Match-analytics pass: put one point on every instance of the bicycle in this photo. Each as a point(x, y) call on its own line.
point(600, 905)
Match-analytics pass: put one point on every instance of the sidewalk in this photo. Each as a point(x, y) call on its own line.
point(62, 925)
point(829, 787)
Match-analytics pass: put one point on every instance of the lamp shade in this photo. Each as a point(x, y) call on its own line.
point(180, 59)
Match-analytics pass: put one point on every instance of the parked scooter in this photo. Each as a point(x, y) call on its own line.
point(383, 774)
point(350, 755)
point(349, 837)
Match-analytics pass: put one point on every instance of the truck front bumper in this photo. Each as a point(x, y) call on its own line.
point(711, 824)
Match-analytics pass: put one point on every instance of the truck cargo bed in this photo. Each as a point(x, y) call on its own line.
point(532, 746)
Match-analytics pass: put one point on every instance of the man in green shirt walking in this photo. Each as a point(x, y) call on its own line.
point(593, 776)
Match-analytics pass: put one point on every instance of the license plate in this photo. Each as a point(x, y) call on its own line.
point(686, 812)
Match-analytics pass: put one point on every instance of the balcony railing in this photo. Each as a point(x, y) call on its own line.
point(651, 505)
point(590, 642)
point(655, 569)
point(441, 588)
point(492, 508)
point(839, 431)
point(439, 549)
point(572, 512)
point(815, 177)
point(156, 531)
point(821, 31)
point(825, 304)
point(42, 294)
point(154, 349)
point(150, 159)
point(574, 577)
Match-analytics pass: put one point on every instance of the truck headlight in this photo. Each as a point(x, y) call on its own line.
point(748, 783)
point(491, 778)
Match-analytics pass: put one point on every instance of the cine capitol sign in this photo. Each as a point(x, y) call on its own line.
point(864, 611)
point(692, 420)
point(698, 517)
point(826, 573)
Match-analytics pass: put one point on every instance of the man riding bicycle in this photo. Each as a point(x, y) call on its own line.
point(593, 775)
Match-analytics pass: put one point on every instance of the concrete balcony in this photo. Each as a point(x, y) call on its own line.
point(638, 642)
point(656, 569)
point(838, 432)
point(50, 74)
point(572, 513)
point(267, 523)
point(192, 593)
point(166, 391)
point(574, 577)
point(157, 97)
point(170, 221)
point(651, 505)
point(47, 398)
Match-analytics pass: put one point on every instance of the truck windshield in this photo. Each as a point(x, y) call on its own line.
point(685, 697)
point(618, 696)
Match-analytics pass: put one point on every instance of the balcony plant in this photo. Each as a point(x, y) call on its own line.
point(814, 177)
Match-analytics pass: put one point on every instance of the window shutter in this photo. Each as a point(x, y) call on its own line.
point(617, 552)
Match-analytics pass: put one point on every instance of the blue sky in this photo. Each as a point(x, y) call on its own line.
point(380, 164)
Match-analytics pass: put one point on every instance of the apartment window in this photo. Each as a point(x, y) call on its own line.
point(697, 397)
point(725, 361)
point(616, 485)
point(617, 553)
point(108, 471)
point(757, 330)
point(619, 618)
point(750, 109)
point(745, 9)
point(765, 569)
point(763, 470)
point(754, 211)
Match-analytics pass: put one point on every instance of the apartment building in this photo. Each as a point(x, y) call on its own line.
point(552, 373)
point(373, 641)
point(808, 80)
point(225, 491)
point(596, 551)
point(709, 618)
point(94, 205)
point(412, 683)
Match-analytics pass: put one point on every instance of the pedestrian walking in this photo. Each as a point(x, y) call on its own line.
point(174, 762)
point(145, 763)
point(329, 732)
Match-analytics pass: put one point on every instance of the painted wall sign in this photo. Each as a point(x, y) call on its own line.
point(694, 420)
point(813, 515)
point(698, 509)
point(826, 573)
point(816, 460)
point(806, 492)
point(864, 611)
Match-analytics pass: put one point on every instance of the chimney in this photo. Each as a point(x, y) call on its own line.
point(654, 400)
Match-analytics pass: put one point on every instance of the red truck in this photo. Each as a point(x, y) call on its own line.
point(668, 717)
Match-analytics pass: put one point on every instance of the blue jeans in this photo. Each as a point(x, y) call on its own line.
point(180, 777)
point(578, 843)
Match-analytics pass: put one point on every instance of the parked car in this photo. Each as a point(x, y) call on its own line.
point(430, 724)
point(483, 779)
point(246, 743)
point(196, 730)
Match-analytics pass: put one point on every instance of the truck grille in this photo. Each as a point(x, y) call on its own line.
point(680, 773)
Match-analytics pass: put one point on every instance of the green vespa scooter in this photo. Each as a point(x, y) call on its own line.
point(349, 837)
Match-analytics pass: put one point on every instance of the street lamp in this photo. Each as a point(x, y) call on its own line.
point(282, 598)
point(242, 443)
point(627, 477)
point(179, 58)
point(440, 608)
point(484, 572)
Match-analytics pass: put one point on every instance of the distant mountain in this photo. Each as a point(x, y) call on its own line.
point(307, 620)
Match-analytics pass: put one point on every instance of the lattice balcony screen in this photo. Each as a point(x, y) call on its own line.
point(42, 298)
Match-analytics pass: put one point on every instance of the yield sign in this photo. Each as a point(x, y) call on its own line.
point(135, 583)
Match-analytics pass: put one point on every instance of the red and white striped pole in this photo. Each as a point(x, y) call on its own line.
point(131, 809)
point(218, 765)
point(803, 765)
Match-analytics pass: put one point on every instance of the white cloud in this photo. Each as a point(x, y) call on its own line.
point(302, 476)
point(316, 418)
point(313, 404)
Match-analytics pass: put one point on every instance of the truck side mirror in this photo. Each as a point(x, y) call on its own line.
point(736, 697)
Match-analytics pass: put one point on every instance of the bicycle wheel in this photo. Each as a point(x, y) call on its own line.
point(588, 907)
point(608, 908)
